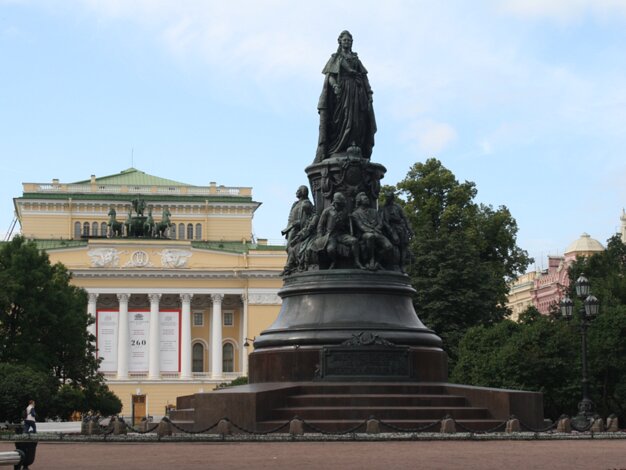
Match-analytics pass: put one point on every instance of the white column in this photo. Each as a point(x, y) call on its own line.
point(216, 336)
point(185, 347)
point(91, 310)
point(154, 339)
point(244, 335)
point(122, 337)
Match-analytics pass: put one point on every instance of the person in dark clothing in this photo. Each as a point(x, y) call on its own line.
point(31, 417)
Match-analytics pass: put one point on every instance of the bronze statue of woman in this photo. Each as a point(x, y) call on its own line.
point(345, 105)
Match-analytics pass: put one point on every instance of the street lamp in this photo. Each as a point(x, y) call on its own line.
point(588, 311)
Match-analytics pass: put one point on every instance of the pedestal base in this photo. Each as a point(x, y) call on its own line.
point(322, 308)
point(304, 364)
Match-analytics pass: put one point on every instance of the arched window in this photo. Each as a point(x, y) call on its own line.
point(77, 229)
point(189, 231)
point(197, 363)
point(198, 231)
point(94, 229)
point(181, 231)
point(103, 229)
point(86, 229)
point(172, 232)
point(228, 357)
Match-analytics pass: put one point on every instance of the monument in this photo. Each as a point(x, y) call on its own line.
point(347, 308)
point(347, 343)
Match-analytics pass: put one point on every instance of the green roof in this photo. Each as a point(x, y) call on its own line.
point(126, 197)
point(56, 244)
point(132, 176)
point(234, 246)
point(226, 246)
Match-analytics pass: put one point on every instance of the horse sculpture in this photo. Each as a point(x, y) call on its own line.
point(149, 226)
point(129, 225)
point(115, 227)
point(161, 228)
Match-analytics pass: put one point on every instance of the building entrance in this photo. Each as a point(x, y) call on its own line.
point(139, 408)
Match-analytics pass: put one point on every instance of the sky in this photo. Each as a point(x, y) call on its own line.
point(526, 98)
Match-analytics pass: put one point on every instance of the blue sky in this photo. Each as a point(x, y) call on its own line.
point(527, 98)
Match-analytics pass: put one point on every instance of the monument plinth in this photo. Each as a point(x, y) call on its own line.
point(349, 308)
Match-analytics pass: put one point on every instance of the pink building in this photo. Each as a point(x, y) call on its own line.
point(550, 284)
point(547, 287)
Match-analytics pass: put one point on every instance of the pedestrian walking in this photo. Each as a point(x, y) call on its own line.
point(30, 416)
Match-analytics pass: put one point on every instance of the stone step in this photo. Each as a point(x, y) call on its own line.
point(184, 402)
point(354, 388)
point(182, 415)
point(404, 425)
point(380, 412)
point(375, 399)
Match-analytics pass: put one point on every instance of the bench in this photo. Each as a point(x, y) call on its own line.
point(22, 457)
point(11, 457)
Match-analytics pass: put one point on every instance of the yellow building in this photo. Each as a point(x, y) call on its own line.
point(173, 313)
point(520, 294)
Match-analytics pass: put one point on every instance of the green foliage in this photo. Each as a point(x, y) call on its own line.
point(234, 383)
point(464, 253)
point(543, 353)
point(538, 354)
point(69, 399)
point(43, 319)
point(100, 400)
point(18, 385)
point(43, 328)
point(606, 272)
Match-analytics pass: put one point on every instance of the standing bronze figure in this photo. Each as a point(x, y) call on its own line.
point(347, 124)
point(301, 212)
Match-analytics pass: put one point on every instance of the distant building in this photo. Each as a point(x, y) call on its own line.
point(544, 289)
point(520, 294)
point(173, 314)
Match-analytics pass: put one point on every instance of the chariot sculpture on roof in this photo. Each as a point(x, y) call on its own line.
point(139, 225)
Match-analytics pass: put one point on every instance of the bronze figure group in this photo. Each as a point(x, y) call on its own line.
point(364, 238)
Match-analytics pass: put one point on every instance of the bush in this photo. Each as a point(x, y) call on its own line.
point(68, 400)
point(18, 385)
point(238, 381)
point(101, 400)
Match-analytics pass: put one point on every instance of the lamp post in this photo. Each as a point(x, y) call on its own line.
point(588, 311)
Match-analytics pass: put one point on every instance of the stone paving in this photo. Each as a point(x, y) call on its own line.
point(510, 454)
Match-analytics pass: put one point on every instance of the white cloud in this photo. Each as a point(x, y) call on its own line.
point(564, 10)
point(10, 32)
point(431, 137)
point(486, 147)
point(425, 59)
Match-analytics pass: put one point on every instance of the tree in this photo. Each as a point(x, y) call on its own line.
point(464, 253)
point(606, 272)
point(43, 318)
point(543, 352)
point(536, 354)
point(18, 384)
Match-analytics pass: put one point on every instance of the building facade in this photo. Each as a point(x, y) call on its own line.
point(545, 289)
point(173, 309)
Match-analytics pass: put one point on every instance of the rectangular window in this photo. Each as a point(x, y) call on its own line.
point(228, 318)
point(198, 318)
